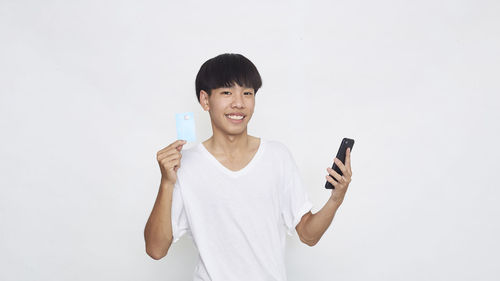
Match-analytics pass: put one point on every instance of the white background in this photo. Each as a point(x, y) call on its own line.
point(89, 92)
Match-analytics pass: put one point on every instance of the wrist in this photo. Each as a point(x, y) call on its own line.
point(164, 184)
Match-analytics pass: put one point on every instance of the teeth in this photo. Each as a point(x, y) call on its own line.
point(235, 117)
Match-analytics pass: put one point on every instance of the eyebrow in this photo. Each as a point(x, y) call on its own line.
point(244, 89)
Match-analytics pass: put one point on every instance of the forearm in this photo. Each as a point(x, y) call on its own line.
point(319, 222)
point(158, 230)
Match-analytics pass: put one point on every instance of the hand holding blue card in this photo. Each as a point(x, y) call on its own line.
point(184, 122)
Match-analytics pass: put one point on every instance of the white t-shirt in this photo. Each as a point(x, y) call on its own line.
point(238, 220)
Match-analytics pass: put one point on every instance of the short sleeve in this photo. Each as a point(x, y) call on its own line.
point(180, 224)
point(294, 198)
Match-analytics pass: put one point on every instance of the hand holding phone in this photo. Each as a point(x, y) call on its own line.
point(346, 143)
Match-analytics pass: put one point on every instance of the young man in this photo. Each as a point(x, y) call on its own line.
point(236, 195)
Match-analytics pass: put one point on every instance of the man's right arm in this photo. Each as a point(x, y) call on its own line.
point(158, 230)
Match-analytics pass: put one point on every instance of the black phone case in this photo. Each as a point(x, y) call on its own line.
point(346, 142)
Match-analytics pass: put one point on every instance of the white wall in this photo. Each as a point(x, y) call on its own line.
point(88, 95)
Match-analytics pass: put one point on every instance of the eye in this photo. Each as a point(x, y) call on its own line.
point(225, 92)
point(249, 93)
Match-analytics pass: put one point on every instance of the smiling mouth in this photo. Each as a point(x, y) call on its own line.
point(236, 120)
point(235, 117)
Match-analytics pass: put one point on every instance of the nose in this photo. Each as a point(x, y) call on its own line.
point(237, 100)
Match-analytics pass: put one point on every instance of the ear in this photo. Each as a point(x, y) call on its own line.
point(204, 100)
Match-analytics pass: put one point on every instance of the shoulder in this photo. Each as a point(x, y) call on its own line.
point(190, 152)
point(277, 148)
point(275, 145)
point(190, 156)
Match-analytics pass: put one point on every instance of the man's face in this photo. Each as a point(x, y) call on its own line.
point(225, 103)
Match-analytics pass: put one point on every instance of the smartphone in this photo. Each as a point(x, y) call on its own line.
point(346, 142)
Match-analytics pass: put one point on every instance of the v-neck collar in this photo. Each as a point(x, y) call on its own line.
point(227, 171)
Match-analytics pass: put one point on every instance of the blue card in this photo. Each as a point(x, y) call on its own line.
point(184, 122)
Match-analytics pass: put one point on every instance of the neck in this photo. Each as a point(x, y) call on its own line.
point(229, 144)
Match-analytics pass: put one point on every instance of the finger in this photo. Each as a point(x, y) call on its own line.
point(168, 153)
point(175, 144)
point(330, 180)
point(346, 179)
point(341, 165)
point(169, 148)
point(178, 143)
point(334, 173)
point(174, 155)
point(348, 160)
point(174, 162)
point(168, 162)
point(171, 163)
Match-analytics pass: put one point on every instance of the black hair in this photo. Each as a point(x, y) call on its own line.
point(224, 70)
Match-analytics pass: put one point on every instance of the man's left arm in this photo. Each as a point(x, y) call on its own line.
point(312, 226)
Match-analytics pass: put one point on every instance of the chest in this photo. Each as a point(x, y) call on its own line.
point(253, 195)
point(236, 163)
